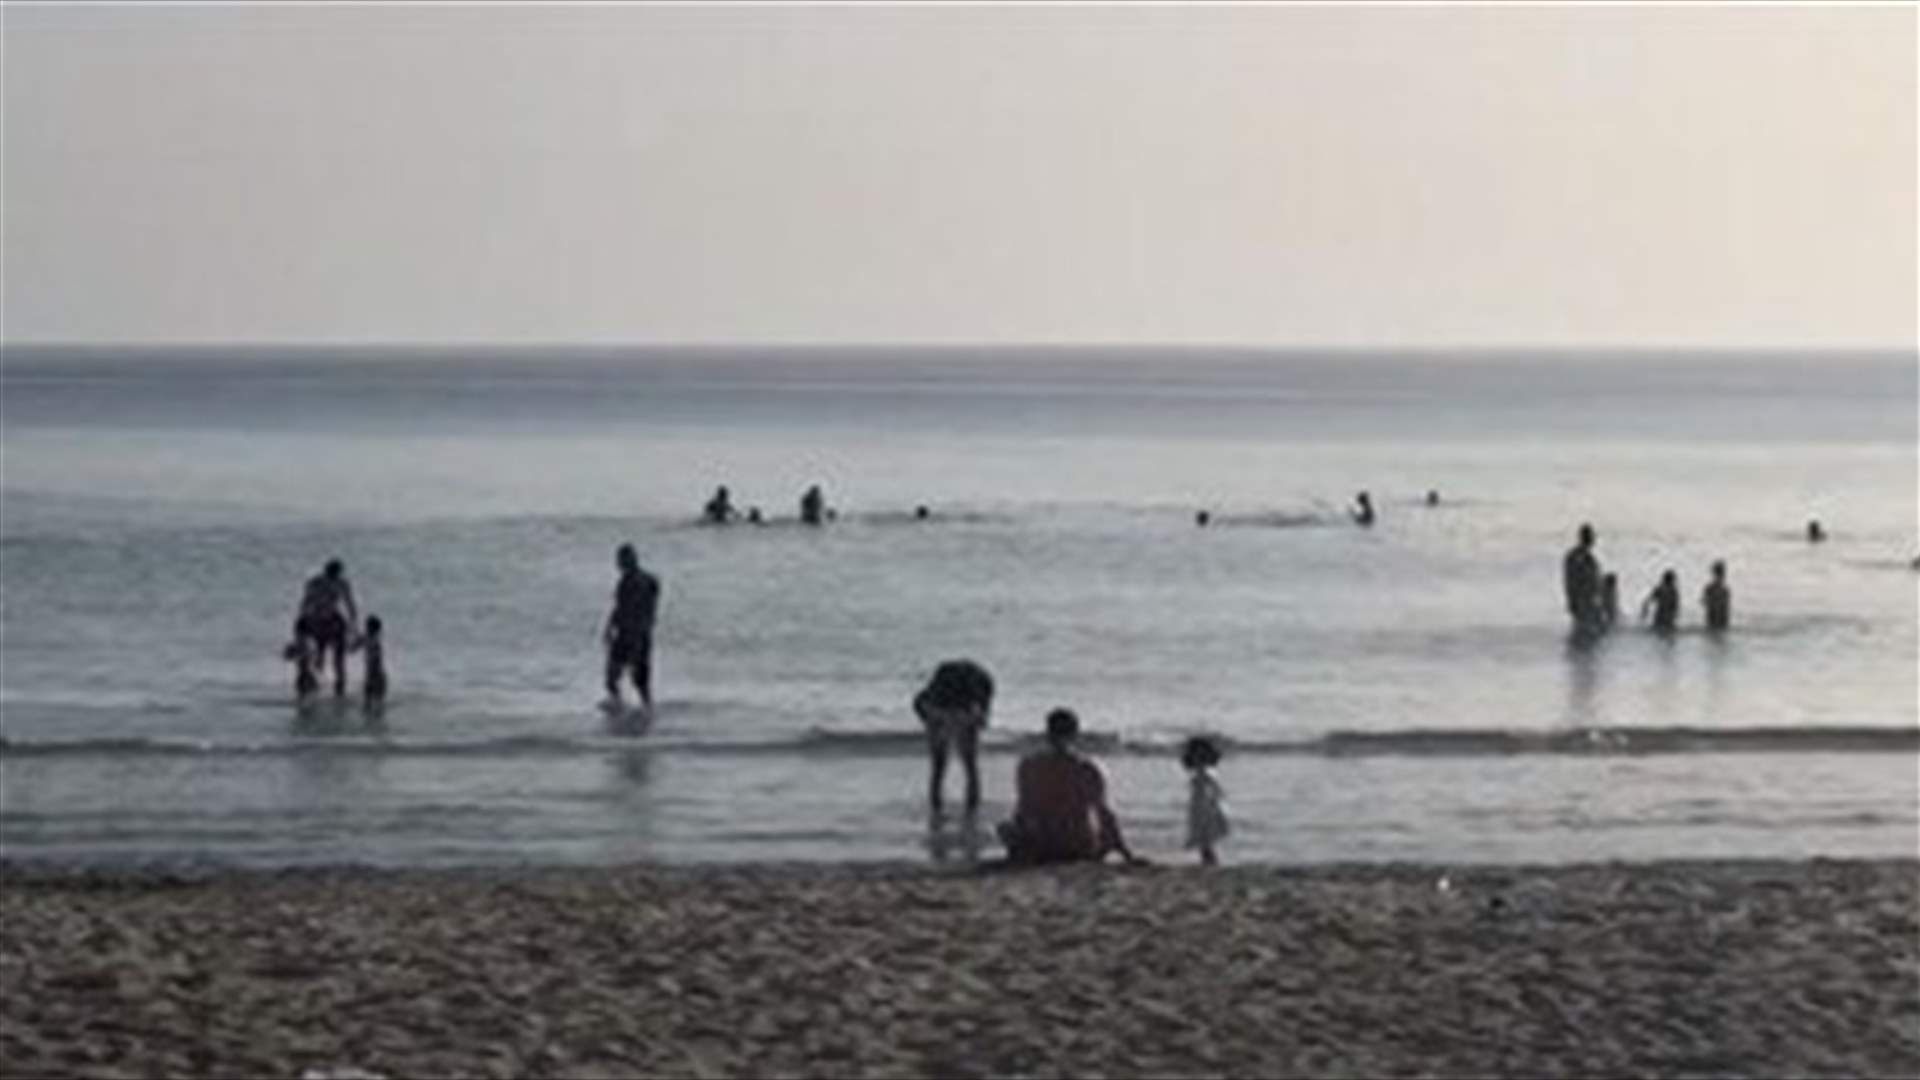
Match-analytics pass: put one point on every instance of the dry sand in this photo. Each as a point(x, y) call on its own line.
point(1663, 969)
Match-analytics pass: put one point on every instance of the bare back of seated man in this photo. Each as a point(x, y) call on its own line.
point(1061, 813)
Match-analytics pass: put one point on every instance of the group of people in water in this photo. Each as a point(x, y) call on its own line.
point(1593, 597)
point(326, 628)
point(719, 509)
point(1361, 511)
point(1061, 810)
point(814, 510)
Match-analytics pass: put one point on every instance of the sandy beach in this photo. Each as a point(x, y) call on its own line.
point(1660, 969)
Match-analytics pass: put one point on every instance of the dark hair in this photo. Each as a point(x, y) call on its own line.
point(373, 625)
point(1062, 725)
point(1200, 751)
point(625, 554)
point(1586, 533)
point(1719, 566)
point(334, 568)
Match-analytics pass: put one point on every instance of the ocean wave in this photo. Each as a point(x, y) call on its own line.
point(1414, 742)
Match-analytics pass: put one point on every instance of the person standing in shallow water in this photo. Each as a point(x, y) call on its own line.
point(954, 707)
point(813, 506)
point(1664, 604)
point(629, 631)
point(1580, 577)
point(327, 616)
point(1717, 599)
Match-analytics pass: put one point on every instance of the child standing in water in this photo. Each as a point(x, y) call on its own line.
point(1718, 599)
point(1663, 603)
point(1206, 801)
point(300, 653)
point(374, 691)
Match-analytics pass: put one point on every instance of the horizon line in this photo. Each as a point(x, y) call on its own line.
point(799, 346)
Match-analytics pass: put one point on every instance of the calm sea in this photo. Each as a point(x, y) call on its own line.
point(1401, 692)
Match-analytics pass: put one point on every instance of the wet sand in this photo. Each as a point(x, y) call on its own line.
point(1775, 968)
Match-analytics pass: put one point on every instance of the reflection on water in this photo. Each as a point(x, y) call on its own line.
point(1583, 679)
point(955, 841)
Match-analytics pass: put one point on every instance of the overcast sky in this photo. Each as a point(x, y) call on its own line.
point(1285, 176)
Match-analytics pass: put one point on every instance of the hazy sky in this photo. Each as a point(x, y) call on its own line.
point(1299, 175)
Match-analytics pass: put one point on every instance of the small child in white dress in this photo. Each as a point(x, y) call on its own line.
point(1206, 801)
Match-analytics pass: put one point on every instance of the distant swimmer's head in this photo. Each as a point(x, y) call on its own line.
point(1062, 727)
point(1433, 498)
point(921, 513)
point(373, 626)
point(626, 558)
point(1202, 519)
point(1200, 752)
point(334, 568)
point(753, 515)
point(1586, 535)
point(1814, 531)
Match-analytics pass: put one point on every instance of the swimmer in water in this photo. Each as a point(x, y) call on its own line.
point(1362, 510)
point(719, 509)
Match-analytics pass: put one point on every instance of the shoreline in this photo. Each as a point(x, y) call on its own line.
point(1745, 966)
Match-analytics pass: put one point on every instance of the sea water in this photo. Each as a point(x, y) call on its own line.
point(1405, 691)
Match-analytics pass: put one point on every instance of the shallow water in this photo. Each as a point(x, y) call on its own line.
point(158, 514)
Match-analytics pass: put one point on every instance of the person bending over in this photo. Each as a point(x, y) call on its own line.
point(326, 616)
point(954, 707)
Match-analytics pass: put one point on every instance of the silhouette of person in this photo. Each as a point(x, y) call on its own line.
point(1664, 603)
point(373, 663)
point(753, 516)
point(1609, 600)
point(1202, 519)
point(953, 708)
point(327, 615)
point(1717, 599)
point(1815, 533)
point(719, 509)
point(1061, 813)
point(1433, 497)
point(629, 631)
point(1362, 509)
point(921, 513)
point(813, 506)
point(1580, 578)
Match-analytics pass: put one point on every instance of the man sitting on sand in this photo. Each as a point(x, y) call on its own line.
point(1061, 812)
